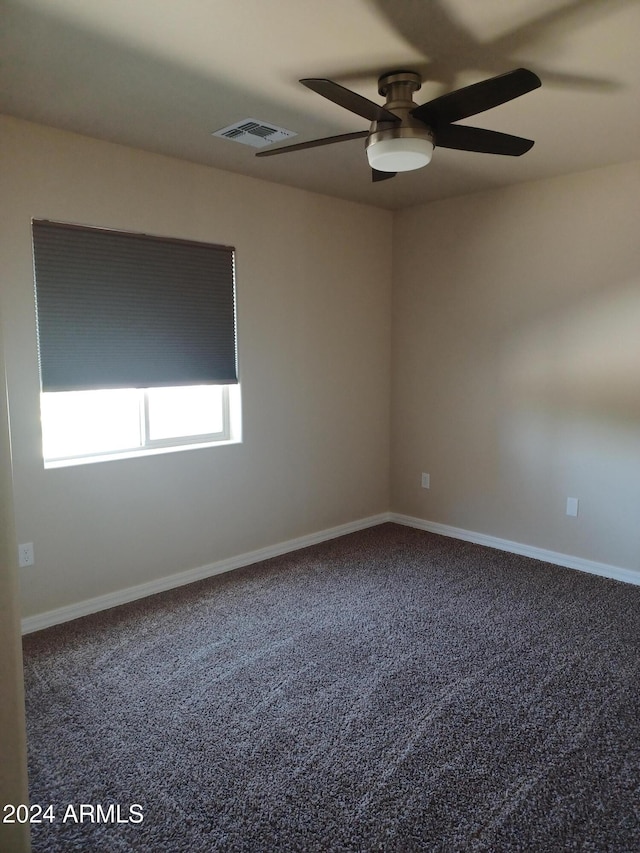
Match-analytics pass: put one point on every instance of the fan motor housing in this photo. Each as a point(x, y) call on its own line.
point(398, 88)
point(410, 139)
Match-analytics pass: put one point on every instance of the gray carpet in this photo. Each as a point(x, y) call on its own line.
point(391, 690)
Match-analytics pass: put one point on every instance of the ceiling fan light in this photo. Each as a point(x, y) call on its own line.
point(399, 154)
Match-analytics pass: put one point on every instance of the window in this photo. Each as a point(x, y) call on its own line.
point(89, 425)
point(136, 341)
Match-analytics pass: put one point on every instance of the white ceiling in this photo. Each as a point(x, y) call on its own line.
point(162, 75)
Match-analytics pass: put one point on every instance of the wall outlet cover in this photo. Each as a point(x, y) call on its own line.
point(572, 507)
point(25, 555)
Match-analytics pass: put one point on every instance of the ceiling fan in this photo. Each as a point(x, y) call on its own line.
point(403, 135)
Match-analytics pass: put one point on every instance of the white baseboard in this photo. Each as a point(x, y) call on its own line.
point(123, 596)
point(566, 560)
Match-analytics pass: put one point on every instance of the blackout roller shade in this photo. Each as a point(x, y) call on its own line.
point(123, 310)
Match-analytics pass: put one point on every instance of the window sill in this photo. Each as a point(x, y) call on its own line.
point(135, 454)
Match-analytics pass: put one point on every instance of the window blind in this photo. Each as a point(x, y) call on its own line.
point(123, 310)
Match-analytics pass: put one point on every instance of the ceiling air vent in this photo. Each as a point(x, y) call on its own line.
point(256, 133)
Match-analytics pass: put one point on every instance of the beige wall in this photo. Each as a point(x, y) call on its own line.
point(14, 838)
point(513, 378)
point(516, 363)
point(514, 367)
point(314, 291)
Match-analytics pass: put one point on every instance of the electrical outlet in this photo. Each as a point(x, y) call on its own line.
point(25, 554)
point(426, 481)
point(572, 507)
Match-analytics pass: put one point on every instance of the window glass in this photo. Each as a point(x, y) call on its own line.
point(179, 412)
point(81, 423)
point(87, 424)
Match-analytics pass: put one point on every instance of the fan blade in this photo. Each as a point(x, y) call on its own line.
point(348, 99)
point(477, 98)
point(377, 175)
point(313, 143)
point(484, 141)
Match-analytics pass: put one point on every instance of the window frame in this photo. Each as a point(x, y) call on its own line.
point(230, 434)
point(72, 261)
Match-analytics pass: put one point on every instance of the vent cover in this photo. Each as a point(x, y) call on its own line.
point(256, 133)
